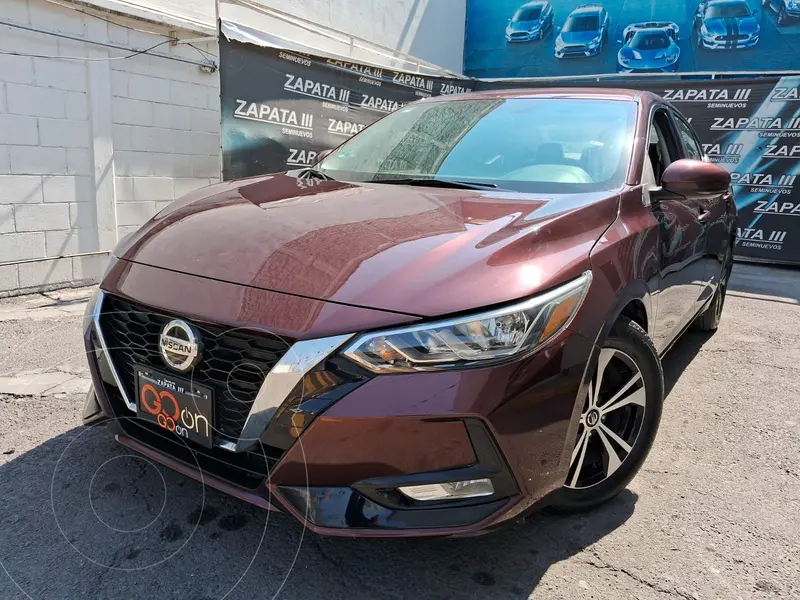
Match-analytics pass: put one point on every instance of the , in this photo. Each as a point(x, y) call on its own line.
point(454, 318)
point(725, 25)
